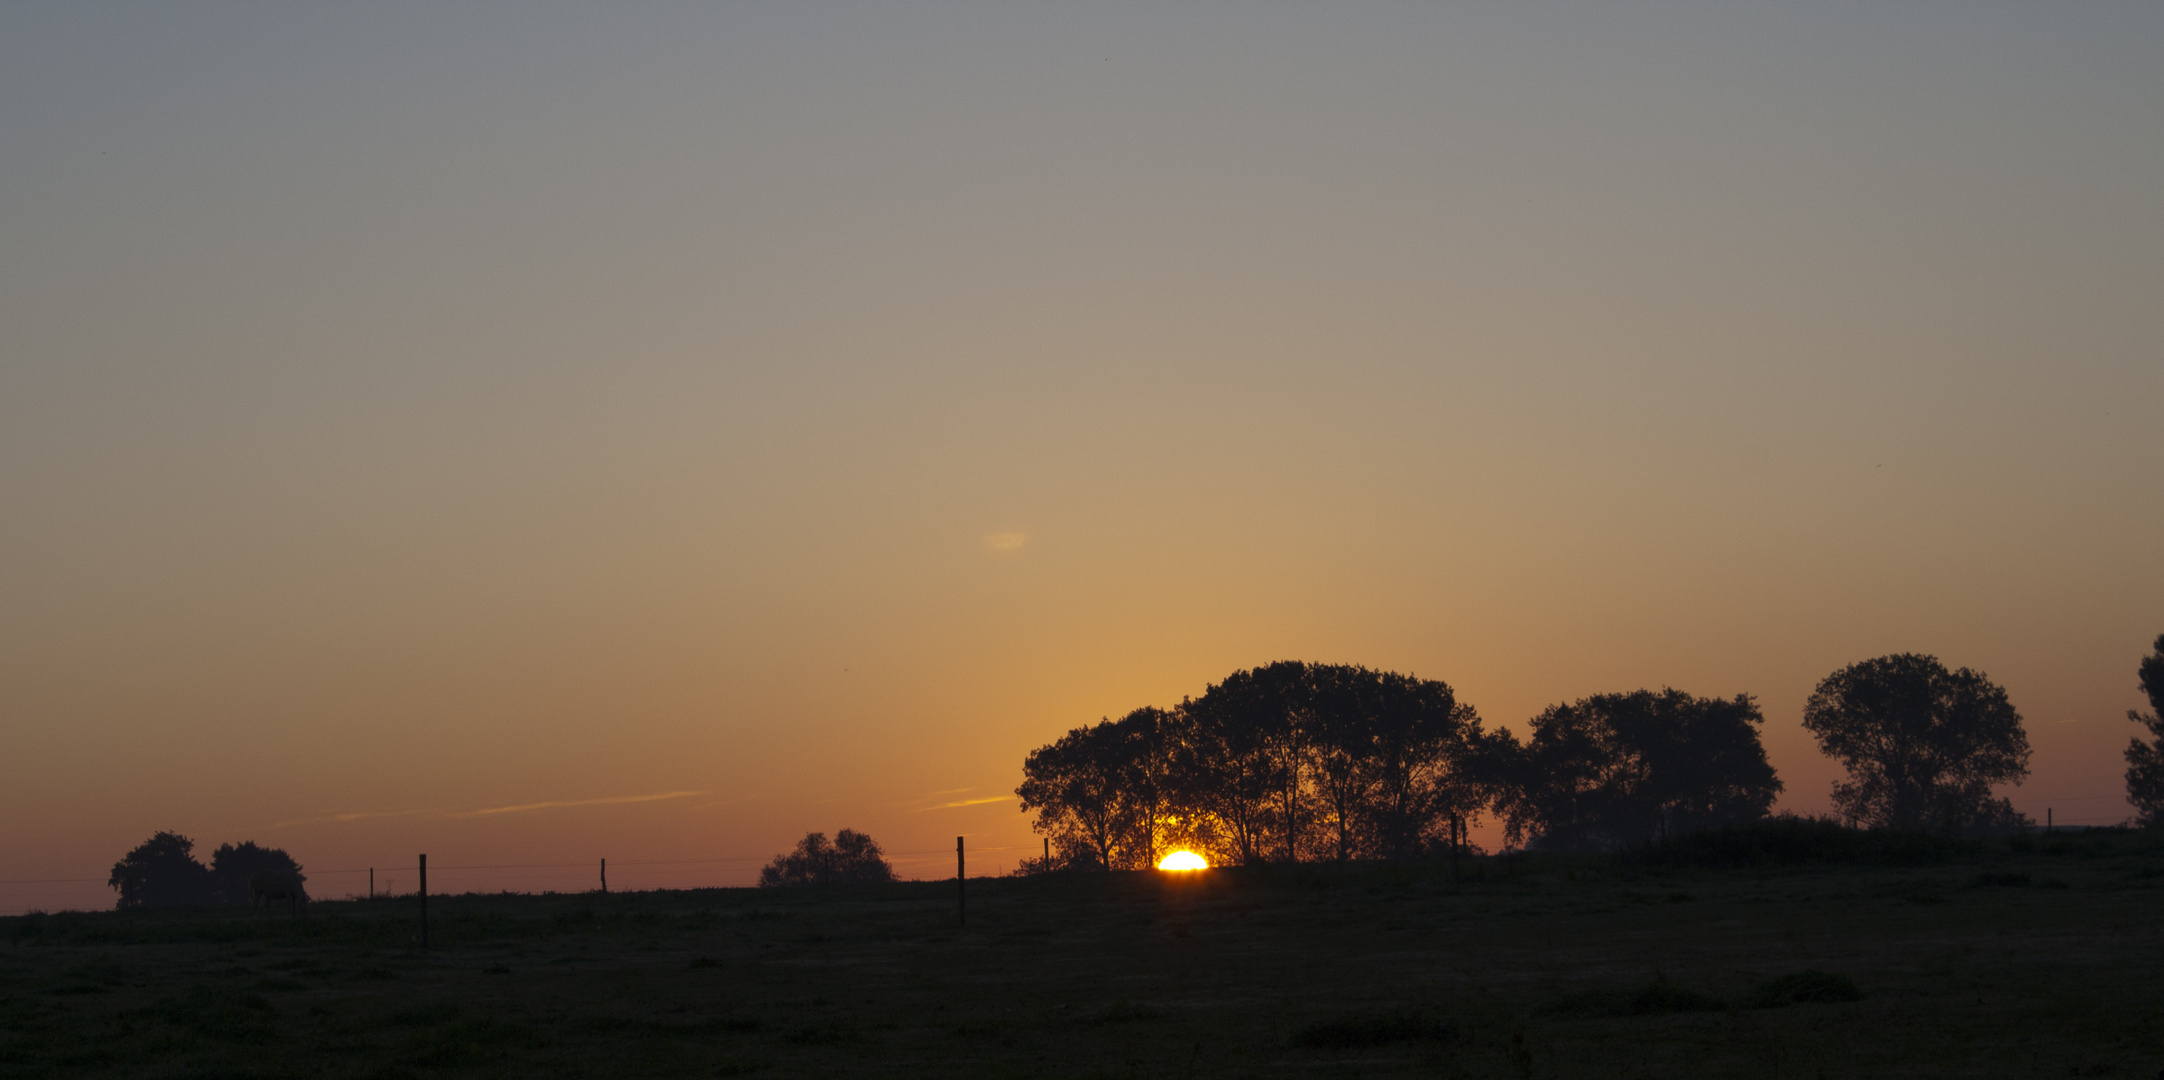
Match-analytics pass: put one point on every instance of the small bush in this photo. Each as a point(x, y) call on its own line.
point(1803, 986)
point(1371, 1029)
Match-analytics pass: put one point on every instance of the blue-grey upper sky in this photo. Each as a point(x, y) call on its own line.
point(529, 429)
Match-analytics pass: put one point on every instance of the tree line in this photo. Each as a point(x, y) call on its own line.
point(162, 872)
point(1295, 761)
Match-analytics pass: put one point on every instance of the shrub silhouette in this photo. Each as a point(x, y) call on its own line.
point(851, 858)
point(1790, 840)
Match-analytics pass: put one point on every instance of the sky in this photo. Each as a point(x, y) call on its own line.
point(530, 434)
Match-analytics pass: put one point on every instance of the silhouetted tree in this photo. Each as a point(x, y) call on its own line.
point(851, 859)
point(160, 873)
point(1077, 787)
point(1923, 745)
point(1148, 795)
point(1616, 770)
point(231, 865)
point(1227, 772)
point(1394, 759)
point(2145, 760)
point(1264, 717)
point(1289, 761)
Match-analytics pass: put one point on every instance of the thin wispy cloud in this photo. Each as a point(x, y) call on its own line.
point(449, 812)
point(363, 815)
point(968, 802)
point(615, 799)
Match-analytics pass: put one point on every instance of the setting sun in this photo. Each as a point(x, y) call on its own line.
point(1183, 860)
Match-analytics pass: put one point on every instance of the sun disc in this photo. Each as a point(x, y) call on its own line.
point(1183, 860)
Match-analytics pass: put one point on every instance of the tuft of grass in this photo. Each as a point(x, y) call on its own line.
point(1372, 1029)
point(1803, 986)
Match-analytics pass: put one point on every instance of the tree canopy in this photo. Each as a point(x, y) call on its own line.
point(1616, 770)
point(851, 858)
point(1923, 745)
point(161, 873)
point(1282, 762)
point(232, 864)
point(2145, 760)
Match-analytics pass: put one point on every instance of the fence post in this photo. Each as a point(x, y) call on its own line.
point(961, 879)
point(371, 883)
point(1048, 854)
point(424, 902)
point(604, 877)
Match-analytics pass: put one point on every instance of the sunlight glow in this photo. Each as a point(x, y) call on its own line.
point(1183, 860)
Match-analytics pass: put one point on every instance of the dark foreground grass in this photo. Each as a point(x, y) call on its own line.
point(2047, 962)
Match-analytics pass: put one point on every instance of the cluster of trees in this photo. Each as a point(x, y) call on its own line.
point(162, 872)
point(1285, 762)
point(1296, 761)
point(851, 858)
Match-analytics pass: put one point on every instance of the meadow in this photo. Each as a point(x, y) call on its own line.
point(2030, 957)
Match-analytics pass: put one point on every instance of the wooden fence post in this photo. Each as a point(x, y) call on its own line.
point(371, 883)
point(604, 877)
point(961, 880)
point(424, 902)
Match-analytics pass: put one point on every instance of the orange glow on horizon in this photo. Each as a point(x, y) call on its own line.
point(1183, 860)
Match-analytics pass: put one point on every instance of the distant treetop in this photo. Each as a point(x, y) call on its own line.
point(851, 858)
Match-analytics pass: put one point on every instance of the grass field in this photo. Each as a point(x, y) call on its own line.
point(2043, 962)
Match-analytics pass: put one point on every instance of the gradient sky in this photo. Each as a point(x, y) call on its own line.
point(530, 434)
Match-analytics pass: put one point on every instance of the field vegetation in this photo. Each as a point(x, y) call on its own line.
point(1781, 950)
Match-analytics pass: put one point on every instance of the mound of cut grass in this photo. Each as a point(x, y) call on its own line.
point(1371, 1029)
point(1802, 987)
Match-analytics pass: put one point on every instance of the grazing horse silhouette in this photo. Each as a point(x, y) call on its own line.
point(267, 887)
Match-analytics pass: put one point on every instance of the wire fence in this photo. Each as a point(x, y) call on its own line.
point(400, 876)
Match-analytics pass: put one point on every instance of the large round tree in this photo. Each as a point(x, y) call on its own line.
point(1923, 745)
